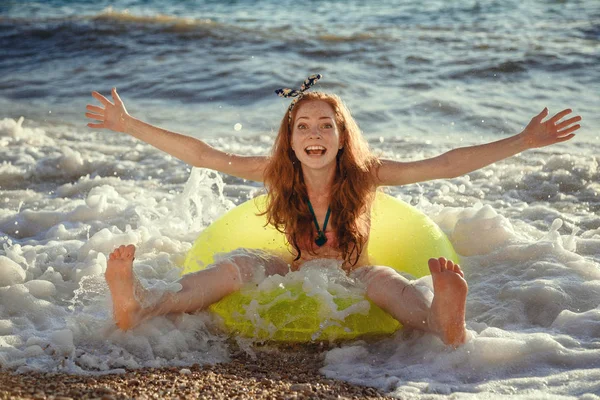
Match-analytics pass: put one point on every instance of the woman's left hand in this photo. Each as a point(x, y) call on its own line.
point(540, 134)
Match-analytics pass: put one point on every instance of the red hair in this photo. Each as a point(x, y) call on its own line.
point(351, 193)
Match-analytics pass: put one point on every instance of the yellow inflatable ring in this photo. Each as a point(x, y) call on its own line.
point(401, 237)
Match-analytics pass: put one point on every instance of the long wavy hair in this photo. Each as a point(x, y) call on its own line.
point(351, 194)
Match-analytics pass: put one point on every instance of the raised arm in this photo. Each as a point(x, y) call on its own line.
point(457, 162)
point(192, 151)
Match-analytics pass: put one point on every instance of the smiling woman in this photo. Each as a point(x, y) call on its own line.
point(305, 184)
point(316, 124)
point(321, 173)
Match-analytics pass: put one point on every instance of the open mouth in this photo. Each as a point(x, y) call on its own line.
point(315, 150)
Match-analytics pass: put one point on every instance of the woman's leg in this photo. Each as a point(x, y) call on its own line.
point(444, 316)
point(198, 290)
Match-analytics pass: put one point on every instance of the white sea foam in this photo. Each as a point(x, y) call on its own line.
point(527, 231)
point(533, 311)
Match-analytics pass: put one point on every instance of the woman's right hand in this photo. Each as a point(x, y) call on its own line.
point(111, 116)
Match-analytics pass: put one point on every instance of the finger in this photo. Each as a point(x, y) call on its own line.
point(97, 110)
point(541, 115)
point(568, 122)
point(101, 98)
point(95, 116)
point(565, 138)
point(559, 116)
point(569, 130)
point(98, 126)
point(116, 97)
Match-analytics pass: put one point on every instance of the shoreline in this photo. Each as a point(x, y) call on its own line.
point(289, 372)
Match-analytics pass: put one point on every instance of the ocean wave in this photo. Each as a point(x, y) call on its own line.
point(108, 22)
point(183, 23)
point(516, 69)
point(114, 16)
point(506, 68)
point(354, 37)
point(123, 22)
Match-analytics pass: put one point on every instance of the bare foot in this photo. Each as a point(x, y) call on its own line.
point(447, 314)
point(120, 279)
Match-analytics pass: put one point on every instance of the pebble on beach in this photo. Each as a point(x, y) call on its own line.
point(269, 373)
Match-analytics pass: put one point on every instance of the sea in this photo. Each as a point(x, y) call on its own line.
point(420, 77)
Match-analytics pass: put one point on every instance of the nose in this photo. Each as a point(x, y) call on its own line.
point(314, 132)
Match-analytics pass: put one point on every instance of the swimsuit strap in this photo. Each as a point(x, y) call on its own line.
point(321, 238)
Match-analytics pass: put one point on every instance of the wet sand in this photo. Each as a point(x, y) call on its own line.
point(290, 372)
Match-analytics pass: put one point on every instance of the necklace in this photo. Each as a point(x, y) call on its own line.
point(321, 238)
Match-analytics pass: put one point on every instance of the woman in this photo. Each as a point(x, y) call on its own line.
point(321, 179)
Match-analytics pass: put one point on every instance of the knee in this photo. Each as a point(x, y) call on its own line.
point(232, 273)
point(276, 266)
point(252, 265)
point(378, 281)
point(247, 270)
point(374, 275)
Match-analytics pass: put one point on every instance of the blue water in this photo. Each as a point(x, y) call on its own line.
point(420, 78)
point(479, 67)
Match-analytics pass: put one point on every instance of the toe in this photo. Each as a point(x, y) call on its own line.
point(443, 263)
point(458, 270)
point(127, 253)
point(434, 265)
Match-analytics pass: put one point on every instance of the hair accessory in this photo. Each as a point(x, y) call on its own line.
point(307, 84)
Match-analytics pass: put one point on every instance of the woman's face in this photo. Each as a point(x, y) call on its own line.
point(315, 135)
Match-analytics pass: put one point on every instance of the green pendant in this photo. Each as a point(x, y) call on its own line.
point(321, 239)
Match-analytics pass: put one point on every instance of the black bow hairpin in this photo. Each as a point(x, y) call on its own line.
point(307, 84)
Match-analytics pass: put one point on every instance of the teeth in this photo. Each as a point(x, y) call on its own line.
point(315, 148)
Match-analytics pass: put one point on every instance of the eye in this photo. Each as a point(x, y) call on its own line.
point(301, 126)
point(327, 126)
